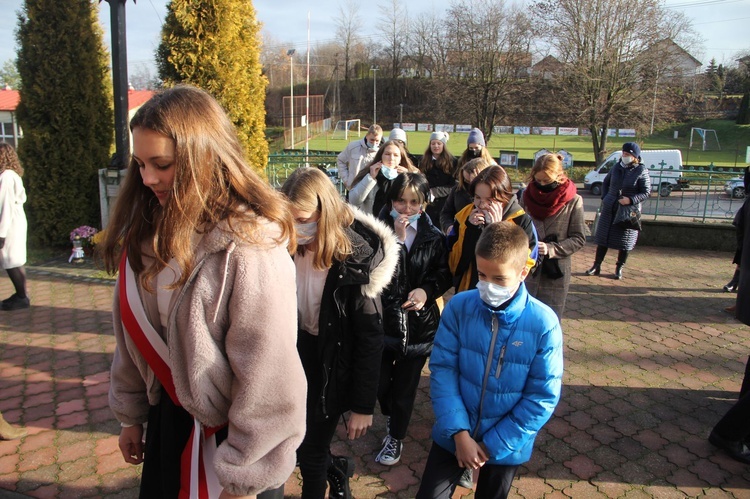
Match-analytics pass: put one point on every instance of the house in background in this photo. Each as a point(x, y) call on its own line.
point(548, 68)
point(675, 61)
point(11, 132)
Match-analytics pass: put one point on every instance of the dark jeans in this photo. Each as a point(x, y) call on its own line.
point(314, 452)
point(399, 380)
point(442, 472)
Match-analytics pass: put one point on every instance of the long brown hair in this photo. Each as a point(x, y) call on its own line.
point(405, 161)
point(309, 189)
point(496, 178)
point(445, 161)
point(476, 165)
point(9, 159)
point(212, 183)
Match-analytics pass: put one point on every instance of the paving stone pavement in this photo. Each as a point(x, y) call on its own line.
point(651, 363)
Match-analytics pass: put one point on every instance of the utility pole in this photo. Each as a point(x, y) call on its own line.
point(401, 115)
point(374, 70)
point(290, 53)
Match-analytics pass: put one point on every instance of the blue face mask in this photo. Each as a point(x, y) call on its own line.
point(412, 218)
point(389, 173)
point(372, 145)
point(493, 294)
point(306, 232)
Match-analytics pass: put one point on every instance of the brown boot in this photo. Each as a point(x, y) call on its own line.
point(8, 432)
point(731, 309)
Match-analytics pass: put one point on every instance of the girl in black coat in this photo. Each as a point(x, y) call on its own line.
point(439, 167)
point(627, 183)
point(410, 314)
point(344, 260)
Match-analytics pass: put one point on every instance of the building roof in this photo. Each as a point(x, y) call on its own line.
point(9, 99)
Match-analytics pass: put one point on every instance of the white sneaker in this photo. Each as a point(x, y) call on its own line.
point(390, 454)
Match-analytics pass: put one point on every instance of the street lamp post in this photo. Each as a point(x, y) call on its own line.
point(374, 70)
point(290, 53)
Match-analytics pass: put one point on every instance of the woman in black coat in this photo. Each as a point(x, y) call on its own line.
point(410, 314)
point(627, 183)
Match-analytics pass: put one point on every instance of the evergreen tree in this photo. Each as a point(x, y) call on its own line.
point(215, 45)
point(65, 112)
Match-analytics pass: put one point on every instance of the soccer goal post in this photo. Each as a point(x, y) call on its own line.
point(346, 128)
point(706, 138)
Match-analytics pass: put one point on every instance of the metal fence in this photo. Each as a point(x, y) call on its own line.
point(281, 165)
point(714, 193)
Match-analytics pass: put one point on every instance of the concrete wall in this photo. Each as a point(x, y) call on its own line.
point(689, 235)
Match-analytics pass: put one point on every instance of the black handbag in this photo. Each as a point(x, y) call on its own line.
point(628, 217)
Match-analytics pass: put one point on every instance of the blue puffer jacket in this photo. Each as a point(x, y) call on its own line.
point(523, 378)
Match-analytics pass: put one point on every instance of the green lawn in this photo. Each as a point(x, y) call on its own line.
point(734, 140)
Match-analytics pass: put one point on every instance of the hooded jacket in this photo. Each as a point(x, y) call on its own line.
point(496, 374)
point(231, 338)
point(463, 238)
point(424, 265)
point(355, 156)
point(351, 325)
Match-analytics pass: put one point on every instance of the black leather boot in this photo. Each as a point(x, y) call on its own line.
point(339, 473)
point(618, 271)
point(734, 283)
point(595, 270)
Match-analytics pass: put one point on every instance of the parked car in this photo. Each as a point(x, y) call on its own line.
point(665, 166)
point(735, 188)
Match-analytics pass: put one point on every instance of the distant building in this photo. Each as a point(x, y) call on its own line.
point(11, 132)
point(675, 61)
point(548, 68)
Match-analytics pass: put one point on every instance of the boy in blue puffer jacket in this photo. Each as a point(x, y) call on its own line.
point(496, 372)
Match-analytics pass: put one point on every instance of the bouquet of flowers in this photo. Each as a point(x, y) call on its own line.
point(84, 233)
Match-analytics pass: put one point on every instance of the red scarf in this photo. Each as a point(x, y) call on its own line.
point(541, 205)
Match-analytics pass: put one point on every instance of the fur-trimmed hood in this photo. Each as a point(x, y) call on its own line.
point(382, 256)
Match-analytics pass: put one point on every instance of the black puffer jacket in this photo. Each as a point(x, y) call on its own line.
point(424, 266)
point(351, 326)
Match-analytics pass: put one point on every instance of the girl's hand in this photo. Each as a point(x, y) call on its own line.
point(494, 213)
point(624, 201)
point(476, 217)
point(375, 168)
point(131, 444)
point(415, 300)
point(399, 227)
point(358, 424)
point(542, 247)
point(401, 169)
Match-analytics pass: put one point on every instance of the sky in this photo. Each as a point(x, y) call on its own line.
point(722, 24)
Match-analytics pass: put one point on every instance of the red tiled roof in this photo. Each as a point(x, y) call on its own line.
point(136, 98)
point(9, 99)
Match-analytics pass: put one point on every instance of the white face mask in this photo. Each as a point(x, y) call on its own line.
point(306, 232)
point(493, 294)
point(626, 160)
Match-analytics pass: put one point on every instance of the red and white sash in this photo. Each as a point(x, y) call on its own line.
point(197, 476)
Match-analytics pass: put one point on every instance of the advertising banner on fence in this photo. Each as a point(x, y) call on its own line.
point(463, 128)
point(521, 130)
point(409, 127)
point(564, 130)
point(626, 132)
point(506, 130)
point(611, 132)
point(443, 127)
point(424, 127)
point(545, 130)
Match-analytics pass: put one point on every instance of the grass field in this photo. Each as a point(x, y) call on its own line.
point(734, 140)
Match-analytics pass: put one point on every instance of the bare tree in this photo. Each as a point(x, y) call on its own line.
point(429, 47)
point(488, 56)
point(348, 29)
point(612, 64)
point(394, 28)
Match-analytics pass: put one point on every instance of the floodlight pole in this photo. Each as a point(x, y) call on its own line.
point(119, 84)
point(290, 53)
point(374, 70)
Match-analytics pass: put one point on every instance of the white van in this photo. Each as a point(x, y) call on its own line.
point(666, 178)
